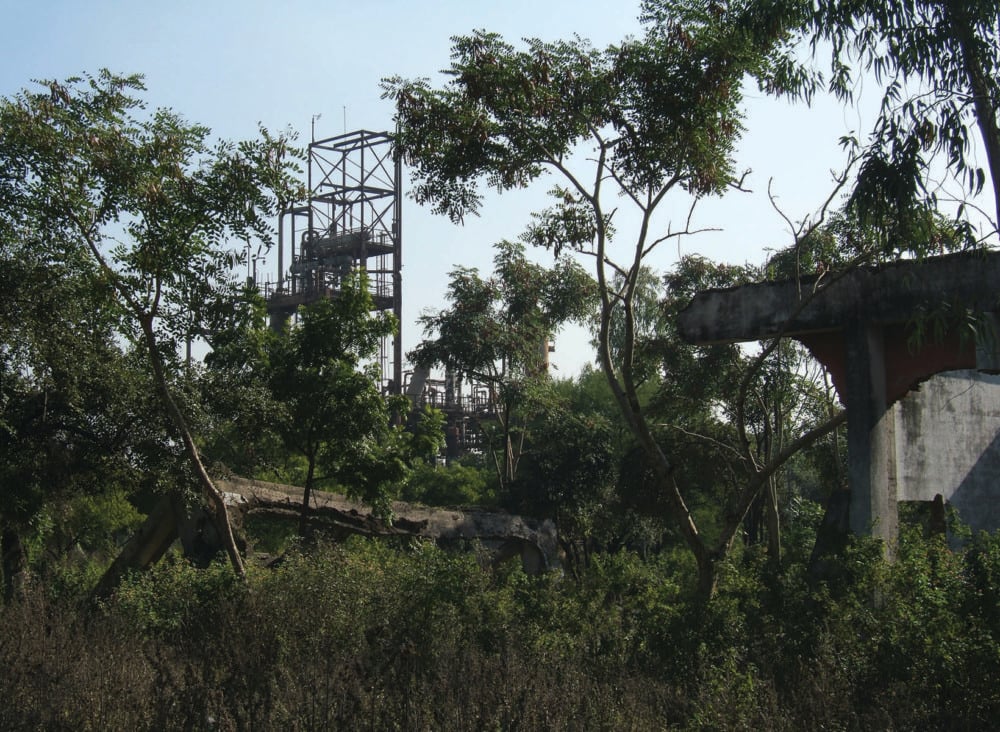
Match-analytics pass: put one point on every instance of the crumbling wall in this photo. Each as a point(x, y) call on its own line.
point(948, 442)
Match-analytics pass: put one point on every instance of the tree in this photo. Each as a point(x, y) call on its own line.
point(146, 202)
point(951, 49)
point(324, 381)
point(656, 118)
point(494, 334)
point(71, 424)
point(750, 412)
point(738, 409)
point(648, 323)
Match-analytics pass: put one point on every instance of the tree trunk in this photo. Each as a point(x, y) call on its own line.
point(832, 536)
point(146, 546)
point(986, 118)
point(708, 577)
point(753, 522)
point(773, 520)
point(628, 401)
point(306, 496)
point(211, 494)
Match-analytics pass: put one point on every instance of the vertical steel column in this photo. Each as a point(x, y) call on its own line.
point(397, 267)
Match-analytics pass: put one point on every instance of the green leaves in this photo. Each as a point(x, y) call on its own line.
point(950, 51)
point(496, 326)
point(662, 108)
point(494, 331)
point(568, 224)
point(642, 120)
point(146, 194)
point(141, 207)
point(328, 405)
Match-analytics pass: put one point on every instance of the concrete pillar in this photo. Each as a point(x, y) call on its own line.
point(871, 444)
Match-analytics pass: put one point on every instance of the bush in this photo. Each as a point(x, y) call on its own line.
point(413, 637)
point(455, 485)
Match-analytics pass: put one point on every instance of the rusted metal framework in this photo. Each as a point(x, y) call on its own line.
point(466, 405)
point(352, 219)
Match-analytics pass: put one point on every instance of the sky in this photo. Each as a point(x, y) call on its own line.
point(233, 65)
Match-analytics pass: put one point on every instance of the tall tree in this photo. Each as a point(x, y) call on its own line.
point(737, 408)
point(496, 332)
point(322, 376)
point(73, 418)
point(648, 121)
point(148, 201)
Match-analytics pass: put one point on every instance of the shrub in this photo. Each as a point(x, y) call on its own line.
point(414, 637)
point(455, 485)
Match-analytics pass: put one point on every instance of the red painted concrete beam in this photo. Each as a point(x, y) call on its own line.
point(816, 312)
point(905, 366)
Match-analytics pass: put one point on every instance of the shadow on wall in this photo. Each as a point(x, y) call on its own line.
point(948, 443)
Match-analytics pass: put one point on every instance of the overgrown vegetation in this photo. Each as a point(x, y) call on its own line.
point(366, 635)
point(687, 483)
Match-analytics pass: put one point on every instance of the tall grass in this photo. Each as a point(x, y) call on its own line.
point(364, 636)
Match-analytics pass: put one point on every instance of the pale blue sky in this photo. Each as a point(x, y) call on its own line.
point(230, 65)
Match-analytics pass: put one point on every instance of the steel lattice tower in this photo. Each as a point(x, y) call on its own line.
point(352, 219)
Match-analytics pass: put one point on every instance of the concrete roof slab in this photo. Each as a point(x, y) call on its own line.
point(885, 294)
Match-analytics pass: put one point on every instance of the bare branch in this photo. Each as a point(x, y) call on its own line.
point(737, 185)
point(773, 465)
point(710, 440)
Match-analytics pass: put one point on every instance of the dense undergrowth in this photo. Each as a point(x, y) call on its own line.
point(366, 636)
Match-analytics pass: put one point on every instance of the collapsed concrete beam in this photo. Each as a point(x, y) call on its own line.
point(504, 534)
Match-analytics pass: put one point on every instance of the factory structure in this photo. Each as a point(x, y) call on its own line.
point(902, 406)
point(352, 220)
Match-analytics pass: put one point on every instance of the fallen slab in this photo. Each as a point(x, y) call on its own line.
point(503, 534)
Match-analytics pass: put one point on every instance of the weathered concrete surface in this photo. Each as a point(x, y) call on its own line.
point(858, 325)
point(948, 443)
point(870, 434)
point(887, 294)
point(504, 534)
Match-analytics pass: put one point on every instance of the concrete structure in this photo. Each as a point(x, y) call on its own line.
point(862, 325)
point(503, 535)
point(948, 443)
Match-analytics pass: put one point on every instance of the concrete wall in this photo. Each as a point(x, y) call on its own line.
point(947, 436)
